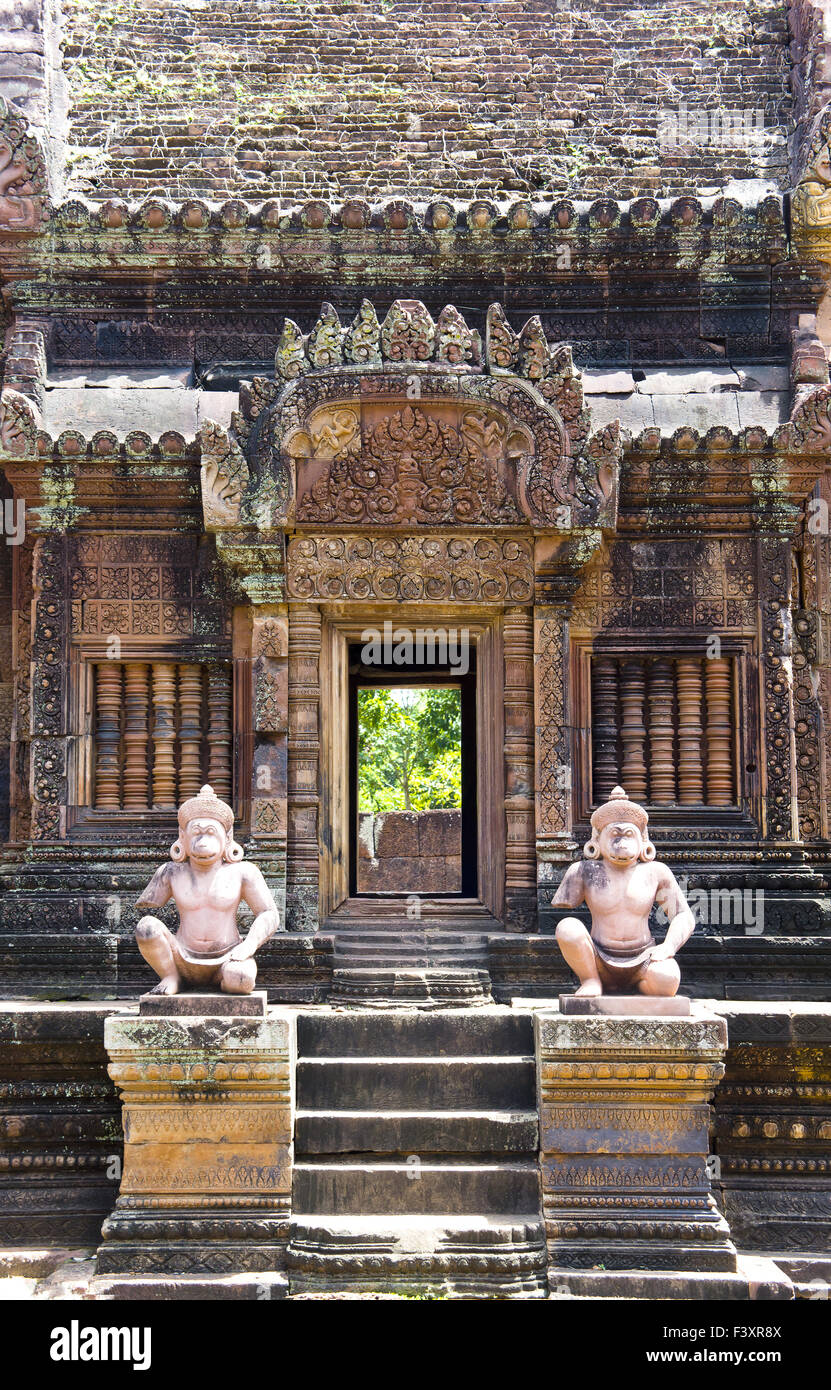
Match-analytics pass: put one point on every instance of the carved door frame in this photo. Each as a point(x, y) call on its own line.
point(342, 624)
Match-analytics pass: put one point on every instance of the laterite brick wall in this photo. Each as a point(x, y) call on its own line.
point(374, 98)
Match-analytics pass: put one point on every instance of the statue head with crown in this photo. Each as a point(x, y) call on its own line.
point(207, 882)
point(619, 880)
point(206, 830)
point(619, 831)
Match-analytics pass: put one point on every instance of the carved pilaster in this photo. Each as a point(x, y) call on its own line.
point(520, 852)
point(302, 882)
point(49, 663)
point(269, 651)
point(552, 764)
point(780, 798)
point(21, 733)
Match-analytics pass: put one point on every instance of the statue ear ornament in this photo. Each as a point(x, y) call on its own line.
point(177, 851)
point(648, 852)
point(233, 852)
point(591, 849)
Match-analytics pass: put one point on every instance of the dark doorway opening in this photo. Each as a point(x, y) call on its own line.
point(412, 774)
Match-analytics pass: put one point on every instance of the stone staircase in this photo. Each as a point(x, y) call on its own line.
point(441, 959)
point(416, 1154)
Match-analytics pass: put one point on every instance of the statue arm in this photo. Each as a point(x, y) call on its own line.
point(158, 891)
point(257, 894)
point(681, 921)
point(572, 890)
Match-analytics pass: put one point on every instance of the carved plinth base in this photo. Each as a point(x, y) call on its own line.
point(425, 989)
point(206, 1185)
point(624, 1121)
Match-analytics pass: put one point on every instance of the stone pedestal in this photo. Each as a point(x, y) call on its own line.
point(624, 1121)
point(207, 1112)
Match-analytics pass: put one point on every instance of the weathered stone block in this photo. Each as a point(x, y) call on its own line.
point(396, 835)
point(440, 833)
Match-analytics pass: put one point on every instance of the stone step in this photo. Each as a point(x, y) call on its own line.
point(415, 1083)
point(415, 1131)
point(412, 933)
point(407, 960)
point(434, 986)
point(366, 952)
point(498, 1255)
point(395, 947)
point(413, 1231)
point(489, 1032)
point(375, 1188)
point(391, 914)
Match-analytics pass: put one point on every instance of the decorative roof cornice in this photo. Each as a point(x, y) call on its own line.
point(568, 235)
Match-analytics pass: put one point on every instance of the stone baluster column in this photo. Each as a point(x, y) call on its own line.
point(662, 777)
point(109, 697)
point(690, 731)
point(605, 765)
point(220, 741)
point(633, 730)
point(136, 735)
point(717, 685)
point(164, 734)
point(190, 730)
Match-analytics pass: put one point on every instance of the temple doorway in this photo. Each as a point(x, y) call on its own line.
point(412, 770)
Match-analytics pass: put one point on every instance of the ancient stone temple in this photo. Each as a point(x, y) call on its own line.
point(479, 347)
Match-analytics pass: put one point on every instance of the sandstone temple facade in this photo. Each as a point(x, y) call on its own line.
point(474, 324)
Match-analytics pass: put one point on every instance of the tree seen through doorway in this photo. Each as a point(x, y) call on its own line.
point(409, 749)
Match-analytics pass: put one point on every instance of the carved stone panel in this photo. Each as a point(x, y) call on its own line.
point(438, 569)
point(412, 465)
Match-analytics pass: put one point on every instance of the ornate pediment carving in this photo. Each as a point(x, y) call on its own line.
point(413, 467)
point(410, 422)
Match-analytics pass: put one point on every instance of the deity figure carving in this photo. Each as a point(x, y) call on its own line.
point(811, 200)
point(207, 882)
point(620, 881)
